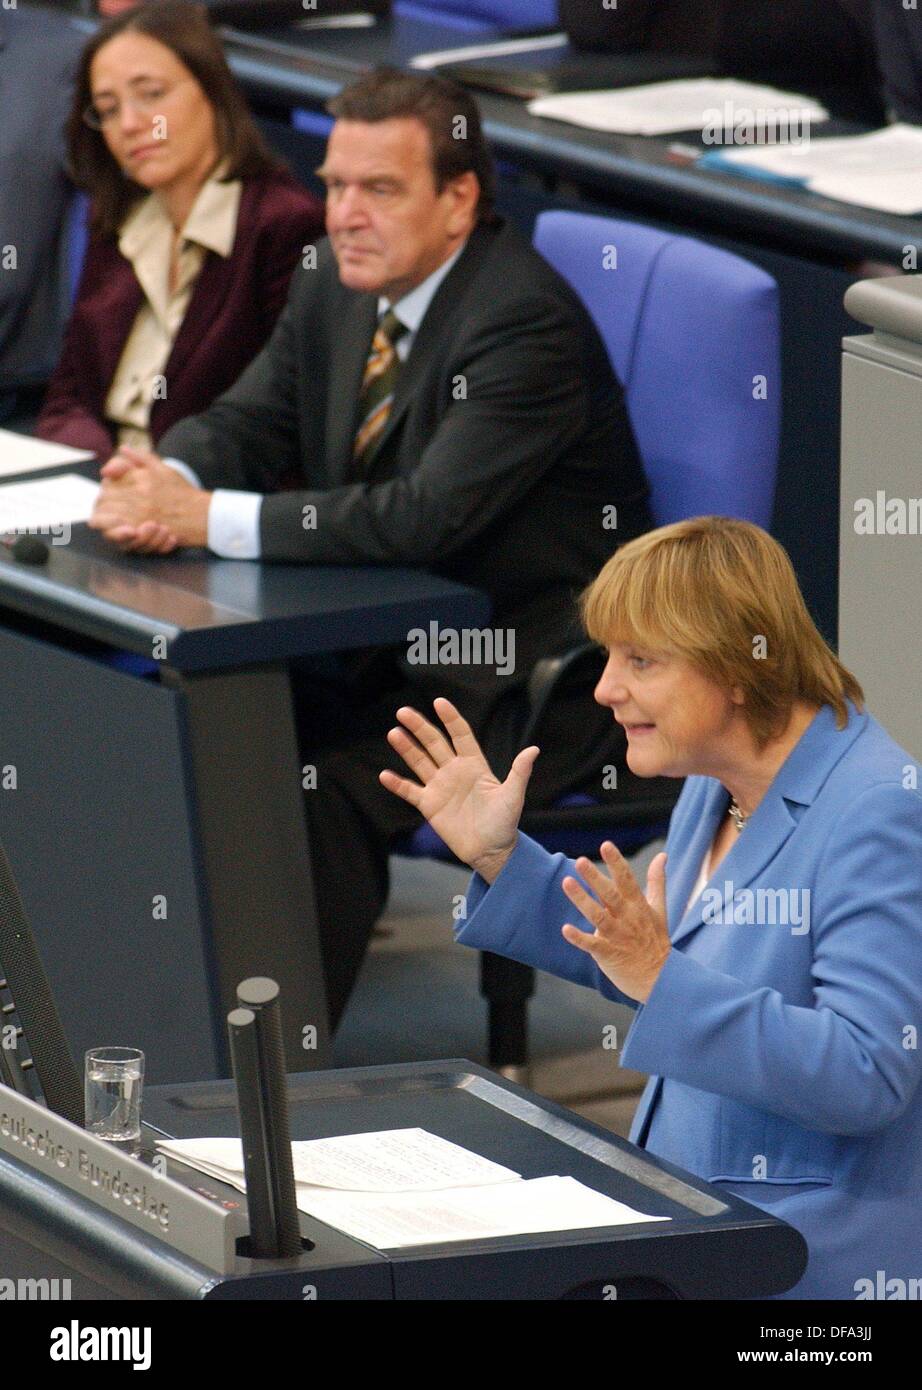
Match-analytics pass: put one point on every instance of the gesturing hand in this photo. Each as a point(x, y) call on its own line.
point(475, 814)
point(631, 938)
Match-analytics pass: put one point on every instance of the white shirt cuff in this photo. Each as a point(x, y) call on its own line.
point(233, 518)
point(185, 470)
point(233, 524)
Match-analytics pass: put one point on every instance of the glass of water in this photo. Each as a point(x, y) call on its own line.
point(114, 1077)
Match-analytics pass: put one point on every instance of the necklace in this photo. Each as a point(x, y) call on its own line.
point(736, 815)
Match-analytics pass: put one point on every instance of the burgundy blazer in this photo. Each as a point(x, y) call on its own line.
point(232, 311)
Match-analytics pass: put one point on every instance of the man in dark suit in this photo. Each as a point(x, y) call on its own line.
point(38, 56)
point(445, 401)
point(823, 48)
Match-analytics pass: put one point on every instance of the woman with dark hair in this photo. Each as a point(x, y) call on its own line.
point(195, 231)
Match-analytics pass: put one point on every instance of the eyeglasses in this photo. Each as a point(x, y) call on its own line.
point(145, 100)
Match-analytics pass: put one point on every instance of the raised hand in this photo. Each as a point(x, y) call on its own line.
point(476, 815)
point(630, 943)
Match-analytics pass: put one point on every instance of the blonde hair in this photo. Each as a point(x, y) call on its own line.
point(708, 589)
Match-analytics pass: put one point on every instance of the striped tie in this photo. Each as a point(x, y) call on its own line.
point(381, 372)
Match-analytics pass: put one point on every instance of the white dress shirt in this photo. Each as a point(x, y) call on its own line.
point(233, 516)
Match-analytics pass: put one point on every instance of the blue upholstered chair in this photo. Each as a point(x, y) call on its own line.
point(482, 15)
point(693, 333)
point(316, 123)
point(76, 238)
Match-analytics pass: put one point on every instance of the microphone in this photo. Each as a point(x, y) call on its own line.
point(241, 1028)
point(30, 550)
point(258, 1058)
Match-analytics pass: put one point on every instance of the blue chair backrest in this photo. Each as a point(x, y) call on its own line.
point(77, 236)
point(312, 122)
point(482, 14)
point(693, 333)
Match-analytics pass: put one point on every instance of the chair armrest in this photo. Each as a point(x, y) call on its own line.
point(546, 676)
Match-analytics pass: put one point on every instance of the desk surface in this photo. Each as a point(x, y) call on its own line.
point(216, 613)
point(474, 1107)
point(712, 1246)
point(287, 66)
point(290, 66)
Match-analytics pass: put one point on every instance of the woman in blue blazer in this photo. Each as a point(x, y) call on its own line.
point(776, 964)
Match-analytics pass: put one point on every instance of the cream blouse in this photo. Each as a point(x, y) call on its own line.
point(146, 240)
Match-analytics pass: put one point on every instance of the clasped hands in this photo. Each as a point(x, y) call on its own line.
point(477, 816)
point(146, 505)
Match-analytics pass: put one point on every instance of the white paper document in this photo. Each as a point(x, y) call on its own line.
point(361, 20)
point(392, 1188)
point(499, 48)
point(695, 103)
point(20, 453)
point(880, 170)
point(509, 1209)
point(390, 1160)
point(37, 507)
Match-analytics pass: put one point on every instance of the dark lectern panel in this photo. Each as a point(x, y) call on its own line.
point(714, 1245)
point(96, 829)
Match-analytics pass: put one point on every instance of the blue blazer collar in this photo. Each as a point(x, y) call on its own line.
point(797, 784)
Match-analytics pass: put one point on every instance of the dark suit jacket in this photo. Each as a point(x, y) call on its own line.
point(38, 55)
point(899, 54)
point(508, 435)
point(819, 47)
point(232, 311)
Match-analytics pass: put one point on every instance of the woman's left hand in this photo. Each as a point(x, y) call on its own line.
point(631, 938)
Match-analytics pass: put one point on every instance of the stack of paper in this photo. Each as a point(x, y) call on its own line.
point(703, 104)
point(40, 506)
point(881, 170)
point(20, 453)
point(496, 48)
point(361, 20)
point(404, 1187)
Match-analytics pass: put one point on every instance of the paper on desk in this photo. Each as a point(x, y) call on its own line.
point(882, 169)
point(361, 20)
point(661, 108)
point(518, 1208)
point(20, 453)
point(400, 1187)
point(499, 48)
point(392, 1160)
point(51, 502)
